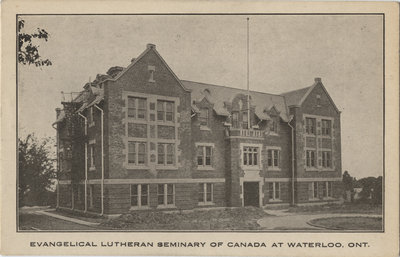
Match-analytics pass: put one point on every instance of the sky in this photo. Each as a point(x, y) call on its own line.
point(286, 53)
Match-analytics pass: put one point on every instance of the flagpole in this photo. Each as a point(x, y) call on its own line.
point(248, 77)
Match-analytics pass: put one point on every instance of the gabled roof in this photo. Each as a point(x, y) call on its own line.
point(136, 60)
point(218, 95)
point(297, 97)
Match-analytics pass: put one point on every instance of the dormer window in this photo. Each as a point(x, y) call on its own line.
point(203, 117)
point(152, 69)
point(245, 120)
point(274, 125)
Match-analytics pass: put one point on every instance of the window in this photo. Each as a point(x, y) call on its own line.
point(274, 125)
point(151, 69)
point(245, 120)
point(165, 110)
point(326, 159)
point(235, 119)
point(137, 108)
point(329, 189)
point(274, 191)
point(310, 158)
point(90, 116)
point(166, 154)
point(250, 156)
point(313, 190)
point(139, 195)
point(203, 117)
point(326, 127)
point(310, 126)
point(273, 158)
point(166, 194)
point(204, 155)
point(92, 156)
point(137, 153)
point(205, 193)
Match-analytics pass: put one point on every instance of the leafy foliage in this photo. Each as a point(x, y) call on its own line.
point(347, 182)
point(371, 189)
point(36, 170)
point(28, 52)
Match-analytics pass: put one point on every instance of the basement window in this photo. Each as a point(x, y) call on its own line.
point(274, 191)
point(139, 195)
point(205, 193)
point(166, 195)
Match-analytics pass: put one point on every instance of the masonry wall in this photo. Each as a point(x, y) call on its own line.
point(285, 193)
point(65, 196)
point(136, 79)
point(322, 107)
point(118, 198)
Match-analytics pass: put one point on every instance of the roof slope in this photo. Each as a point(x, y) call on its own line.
point(295, 97)
point(220, 94)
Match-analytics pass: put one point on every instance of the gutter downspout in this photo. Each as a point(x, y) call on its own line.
point(102, 158)
point(293, 158)
point(86, 174)
point(58, 165)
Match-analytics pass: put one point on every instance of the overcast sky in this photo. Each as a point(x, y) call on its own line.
point(286, 53)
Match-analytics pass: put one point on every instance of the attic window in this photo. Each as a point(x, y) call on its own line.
point(151, 69)
point(318, 100)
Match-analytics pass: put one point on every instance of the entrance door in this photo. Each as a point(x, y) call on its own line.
point(251, 194)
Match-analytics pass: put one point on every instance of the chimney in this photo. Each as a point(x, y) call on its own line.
point(317, 80)
point(151, 46)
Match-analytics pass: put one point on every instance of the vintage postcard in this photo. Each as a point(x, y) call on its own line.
point(200, 128)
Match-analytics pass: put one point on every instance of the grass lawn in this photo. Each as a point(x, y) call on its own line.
point(338, 208)
point(349, 223)
point(222, 219)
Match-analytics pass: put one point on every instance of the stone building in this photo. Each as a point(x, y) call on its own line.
point(140, 138)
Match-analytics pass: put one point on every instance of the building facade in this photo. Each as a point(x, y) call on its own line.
point(140, 138)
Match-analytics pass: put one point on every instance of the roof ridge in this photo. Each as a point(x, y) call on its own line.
point(292, 91)
point(231, 87)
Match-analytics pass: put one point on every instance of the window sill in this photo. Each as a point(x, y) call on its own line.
point(205, 168)
point(273, 134)
point(274, 201)
point(162, 167)
point(206, 204)
point(92, 168)
point(311, 169)
point(314, 199)
point(165, 123)
point(273, 169)
point(135, 120)
point(328, 198)
point(139, 208)
point(205, 128)
point(244, 167)
point(92, 124)
point(168, 206)
point(137, 167)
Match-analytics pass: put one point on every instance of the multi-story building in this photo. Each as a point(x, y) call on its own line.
point(141, 138)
